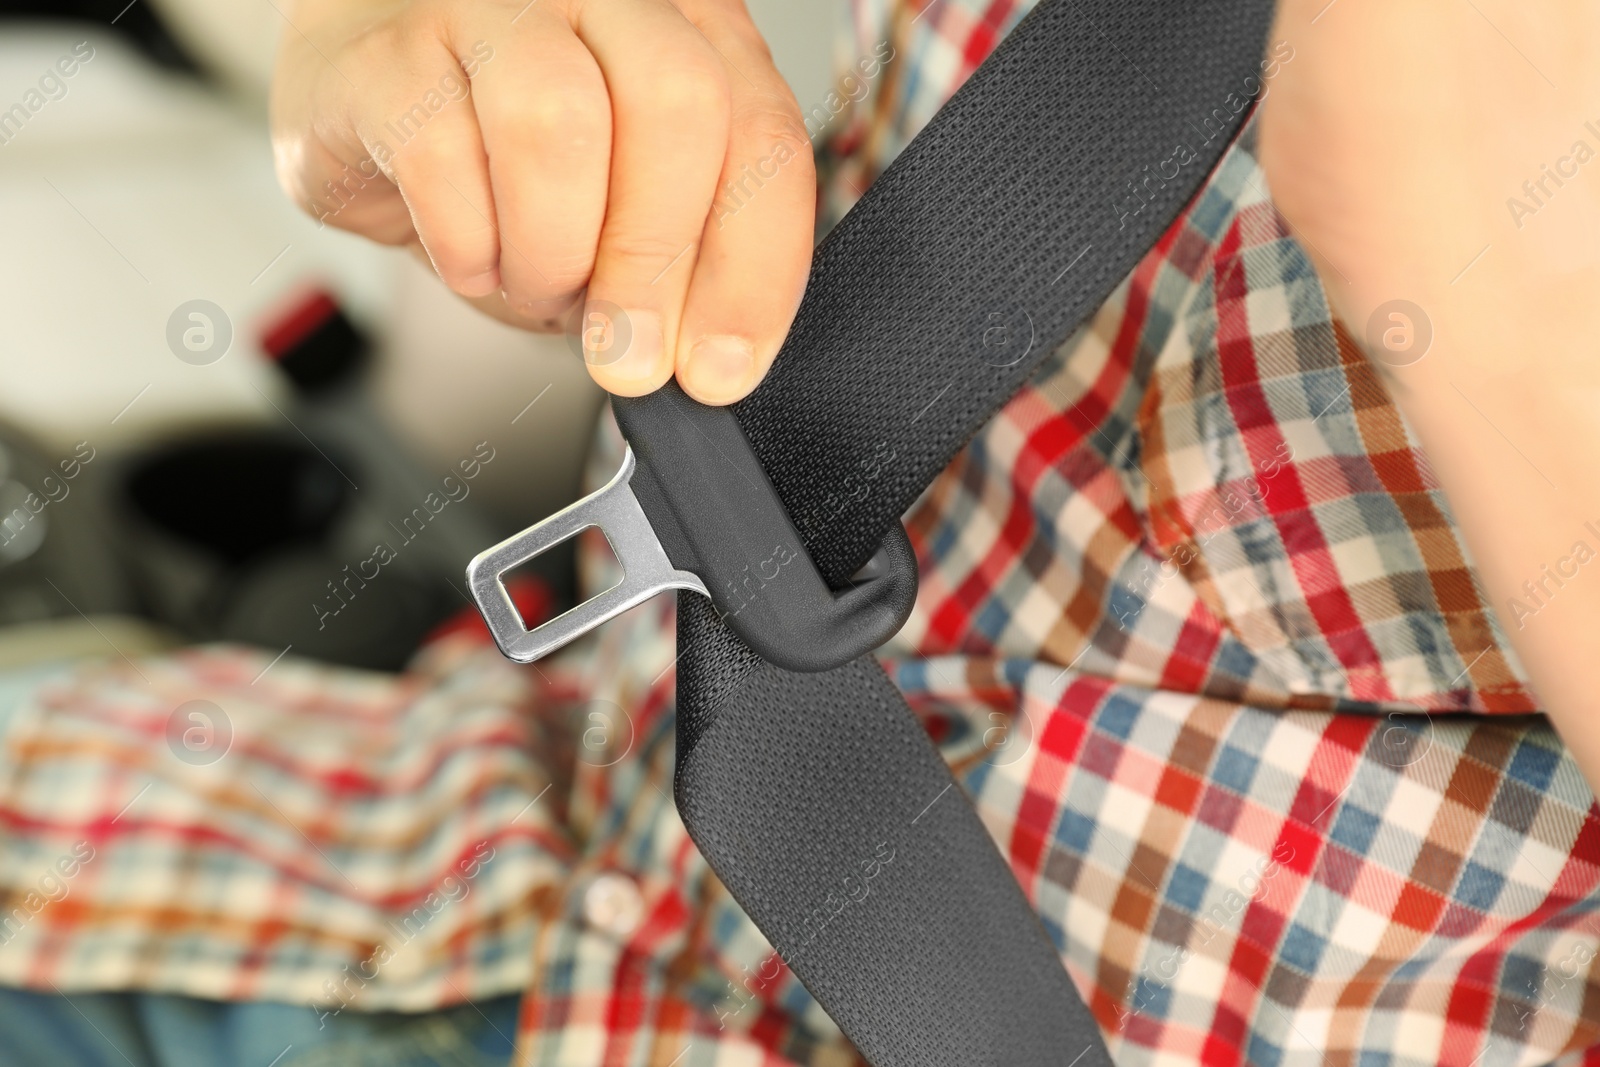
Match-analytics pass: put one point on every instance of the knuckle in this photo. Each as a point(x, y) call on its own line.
point(756, 44)
point(688, 90)
point(560, 279)
point(645, 254)
point(556, 271)
point(565, 120)
point(774, 130)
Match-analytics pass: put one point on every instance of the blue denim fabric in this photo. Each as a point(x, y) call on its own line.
point(151, 1030)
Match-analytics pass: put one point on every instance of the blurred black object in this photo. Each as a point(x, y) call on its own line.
point(239, 498)
point(137, 21)
point(317, 533)
point(56, 552)
point(316, 344)
point(255, 536)
point(325, 354)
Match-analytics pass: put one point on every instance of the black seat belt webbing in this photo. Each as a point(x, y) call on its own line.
point(817, 798)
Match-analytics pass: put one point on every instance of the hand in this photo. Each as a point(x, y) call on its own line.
point(634, 171)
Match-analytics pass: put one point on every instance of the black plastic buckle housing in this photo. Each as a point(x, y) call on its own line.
point(720, 530)
point(721, 519)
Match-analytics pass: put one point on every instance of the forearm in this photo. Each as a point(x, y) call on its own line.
point(1457, 172)
point(1508, 411)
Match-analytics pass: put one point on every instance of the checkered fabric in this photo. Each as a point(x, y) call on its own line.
point(1196, 629)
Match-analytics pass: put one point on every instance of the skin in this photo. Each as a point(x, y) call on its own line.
point(576, 185)
point(587, 162)
point(1392, 144)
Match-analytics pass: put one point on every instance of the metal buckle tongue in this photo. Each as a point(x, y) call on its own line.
point(698, 512)
point(646, 570)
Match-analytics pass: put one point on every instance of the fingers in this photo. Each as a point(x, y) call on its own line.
point(323, 162)
point(756, 249)
point(641, 156)
point(437, 159)
point(546, 121)
point(670, 119)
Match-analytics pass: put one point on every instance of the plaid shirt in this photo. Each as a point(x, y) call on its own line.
point(1196, 629)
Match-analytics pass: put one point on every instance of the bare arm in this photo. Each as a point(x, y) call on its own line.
point(1447, 153)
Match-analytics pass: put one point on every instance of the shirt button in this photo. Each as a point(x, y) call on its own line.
point(613, 905)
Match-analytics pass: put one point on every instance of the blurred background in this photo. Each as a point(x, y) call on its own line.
point(212, 410)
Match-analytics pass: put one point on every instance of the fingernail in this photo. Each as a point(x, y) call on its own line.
point(719, 368)
point(626, 344)
point(481, 284)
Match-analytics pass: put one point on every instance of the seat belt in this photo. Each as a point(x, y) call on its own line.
point(803, 777)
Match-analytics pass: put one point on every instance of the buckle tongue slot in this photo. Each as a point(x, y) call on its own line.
point(695, 510)
point(646, 570)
